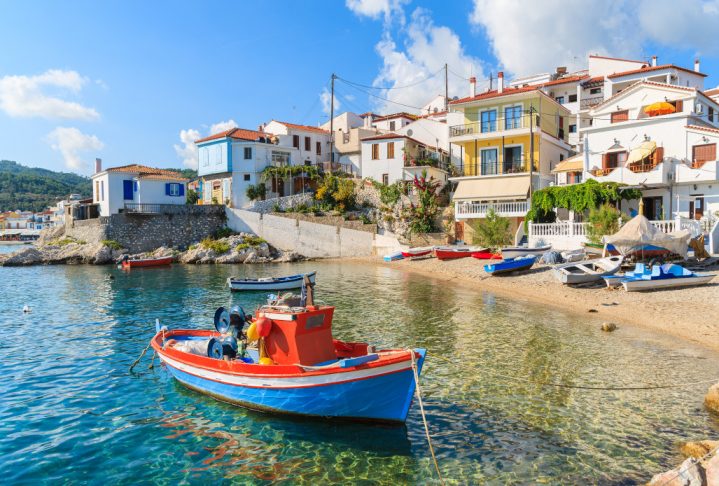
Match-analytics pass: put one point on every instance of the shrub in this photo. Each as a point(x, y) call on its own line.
point(277, 208)
point(218, 247)
point(256, 191)
point(254, 240)
point(388, 218)
point(192, 197)
point(336, 193)
point(215, 201)
point(365, 219)
point(242, 246)
point(112, 244)
point(421, 217)
point(388, 194)
point(223, 233)
point(68, 240)
point(492, 231)
point(193, 246)
point(602, 221)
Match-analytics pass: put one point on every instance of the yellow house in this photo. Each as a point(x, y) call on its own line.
point(510, 140)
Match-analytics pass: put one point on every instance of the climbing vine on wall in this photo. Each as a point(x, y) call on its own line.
point(577, 197)
point(286, 171)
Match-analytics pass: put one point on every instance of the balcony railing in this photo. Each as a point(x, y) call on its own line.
point(585, 103)
point(499, 125)
point(332, 167)
point(479, 210)
point(513, 166)
point(143, 208)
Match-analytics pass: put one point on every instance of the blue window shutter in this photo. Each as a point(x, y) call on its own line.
point(182, 190)
point(127, 190)
point(167, 189)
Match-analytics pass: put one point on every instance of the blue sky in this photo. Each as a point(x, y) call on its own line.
point(124, 80)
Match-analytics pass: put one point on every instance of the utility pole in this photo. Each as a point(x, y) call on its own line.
point(332, 123)
point(531, 147)
point(446, 89)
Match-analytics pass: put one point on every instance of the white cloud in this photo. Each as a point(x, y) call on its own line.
point(691, 24)
point(25, 96)
point(222, 126)
point(325, 98)
point(427, 48)
point(375, 9)
point(71, 142)
point(187, 151)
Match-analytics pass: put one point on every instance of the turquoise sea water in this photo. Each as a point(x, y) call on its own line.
point(70, 412)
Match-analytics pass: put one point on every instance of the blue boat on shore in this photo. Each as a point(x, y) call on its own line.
point(511, 265)
point(666, 276)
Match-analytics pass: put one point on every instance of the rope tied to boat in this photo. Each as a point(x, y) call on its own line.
point(418, 392)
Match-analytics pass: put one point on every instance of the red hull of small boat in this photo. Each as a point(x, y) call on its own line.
point(417, 254)
point(150, 262)
point(485, 255)
point(451, 254)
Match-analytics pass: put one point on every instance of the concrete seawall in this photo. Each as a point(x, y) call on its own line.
point(313, 240)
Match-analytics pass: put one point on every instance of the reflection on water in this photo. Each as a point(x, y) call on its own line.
point(72, 412)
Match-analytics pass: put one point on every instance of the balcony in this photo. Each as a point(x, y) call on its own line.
point(697, 171)
point(470, 131)
point(633, 175)
point(507, 209)
point(511, 166)
point(335, 167)
point(586, 103)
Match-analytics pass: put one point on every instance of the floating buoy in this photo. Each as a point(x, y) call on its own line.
point(252, 334)
point(264, 326)
point(266, 361)
point(26, 309)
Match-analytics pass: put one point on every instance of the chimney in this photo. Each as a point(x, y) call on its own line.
point(472, 87)
point(261, 127)
point(98, 166)
point(500, 82)
point(696, 64)
point(654, 61)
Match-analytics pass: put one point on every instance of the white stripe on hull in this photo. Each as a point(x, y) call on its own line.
point(293, 382)
point(667, 283)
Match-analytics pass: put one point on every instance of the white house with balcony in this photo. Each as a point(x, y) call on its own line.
point(133, 187)
point(311, 144)
point(660, 138)
point(349, 130)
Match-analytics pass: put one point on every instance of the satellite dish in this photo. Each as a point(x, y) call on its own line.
point(222, 320)
point(409, 132)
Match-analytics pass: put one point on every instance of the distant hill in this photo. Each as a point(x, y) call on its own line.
point(34, 189)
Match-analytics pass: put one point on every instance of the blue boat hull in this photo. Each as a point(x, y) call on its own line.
point(508, 266)
point(383, 398)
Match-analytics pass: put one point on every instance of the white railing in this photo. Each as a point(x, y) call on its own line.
point(665, 225)
point(512, 208)
point(563, 228)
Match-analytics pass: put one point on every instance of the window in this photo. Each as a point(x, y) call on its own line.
point(296, 141)
point(280, 158)
point(248, 153)
point(390, 150)
point(595, 91)
point(620, 116)
point(710, 113)
point(319, 148)
point(572, 98)
point(574, 177)
point(173, 189)
point(489, 121)
point(391, 125)
point(560, 99)
point(703, 153)
point(573, 128)
point(375, 151)
point(97, 191)
point(385, 179)
point(489, 161)
point(613, 160)
point(102, 190)
point(246, 177)
point(308, 144)
point(512, 162)
point(512, 117)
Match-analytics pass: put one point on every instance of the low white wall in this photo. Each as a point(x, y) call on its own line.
point(559, 243)
point(312, 240)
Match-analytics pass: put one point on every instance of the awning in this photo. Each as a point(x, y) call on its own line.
point(494, 189)
point(572, 164)
point(660, 108)
point(642, 152)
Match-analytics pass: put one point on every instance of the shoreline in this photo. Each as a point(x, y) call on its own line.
point(691, 314)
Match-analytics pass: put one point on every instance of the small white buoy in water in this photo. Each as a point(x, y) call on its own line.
point(26, 309)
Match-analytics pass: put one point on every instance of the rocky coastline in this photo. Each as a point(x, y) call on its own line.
point(232, 249)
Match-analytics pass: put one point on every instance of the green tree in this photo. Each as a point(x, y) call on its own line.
point(192, 197)
point(492, 231)
point(603, 220)
point(422, 215)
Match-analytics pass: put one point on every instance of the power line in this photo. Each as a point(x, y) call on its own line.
point(394, 87)
point(380, 97)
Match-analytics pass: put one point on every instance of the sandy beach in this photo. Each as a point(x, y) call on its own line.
point(689, 313)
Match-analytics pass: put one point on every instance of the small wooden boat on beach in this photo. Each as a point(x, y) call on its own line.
point(414, 253)
point(391, 257)
point(660, 277)
point(520, 251)
point(297, 368)
point(513, 265)
point(587, 270)
point(486, 255)
point(454, 252)
point(289, 282)
point(145, 262)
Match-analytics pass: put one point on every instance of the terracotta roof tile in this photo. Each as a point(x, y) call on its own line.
point(567, 79)
point(650, 83)
point(496, 94)
point(390, 136)
point(712, 92)
point(306, 128)
point(706, 129)
point(145, 172)
point(401, 114)
point(236, 133)
point(646, 69)
point(616, 58)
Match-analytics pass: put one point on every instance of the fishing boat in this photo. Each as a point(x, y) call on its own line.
point(588, 270)
point(643, 251)
point(486, 255)
point(297, 367)
point(453, 252)
point(391, 257)
point(145, 262)
point(289, 282)
point(666, 276)
point(414, 253)
point(511, 265)
point(570, 256)
point(520, 251)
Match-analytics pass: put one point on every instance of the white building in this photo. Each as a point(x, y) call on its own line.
point(349, 130)
point(662, 139)
point(134, 187)
point(312, 144)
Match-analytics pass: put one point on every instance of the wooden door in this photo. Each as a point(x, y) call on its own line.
point(696, 207)
point(459, 230)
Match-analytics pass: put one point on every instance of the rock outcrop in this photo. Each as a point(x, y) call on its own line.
point(711, 399)
point(67, 252)
point(690, 473)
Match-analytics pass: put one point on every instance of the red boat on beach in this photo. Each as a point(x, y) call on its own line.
point(418, 252)
point(486, 255)
point(451, 253)
point(146, 262)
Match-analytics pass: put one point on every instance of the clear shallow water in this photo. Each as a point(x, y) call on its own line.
point(71, 412)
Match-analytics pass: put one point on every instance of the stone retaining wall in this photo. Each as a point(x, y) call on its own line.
point(284, 203)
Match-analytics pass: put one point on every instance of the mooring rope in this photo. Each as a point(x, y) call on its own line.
point(682, 471)
point(141, 355)
point(424, 418)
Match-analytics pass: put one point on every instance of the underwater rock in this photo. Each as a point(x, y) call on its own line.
point(711, 399)
point(609, 326)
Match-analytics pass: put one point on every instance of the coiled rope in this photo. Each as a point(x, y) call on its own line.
point(418, 392)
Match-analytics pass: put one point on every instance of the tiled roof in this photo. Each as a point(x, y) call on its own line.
point(568, 79)
point(712, 92)
point(650, 83)
point(496, 94)
point(306, 128)
point(390, 136)
point(148, 172)
point(236, 133)
point(595, 79)
point(158, 177)
point(428, 115)
point(646, 69)
point(615, 58)
point(396, 115)
point(706, 129)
